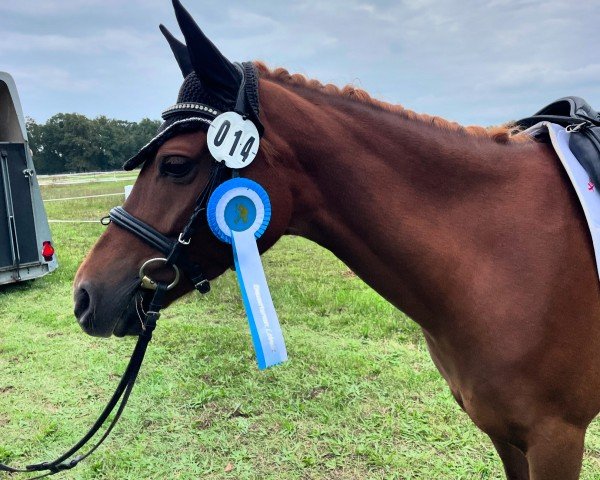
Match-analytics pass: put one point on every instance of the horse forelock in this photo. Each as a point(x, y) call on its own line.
point(506, 133)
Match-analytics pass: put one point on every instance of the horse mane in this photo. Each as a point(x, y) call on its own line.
point(506, 133)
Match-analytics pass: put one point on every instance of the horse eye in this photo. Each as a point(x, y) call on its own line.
point(176, 166)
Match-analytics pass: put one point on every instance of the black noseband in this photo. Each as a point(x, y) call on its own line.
point(171, 249)
point(174, 250)
point(119, 216)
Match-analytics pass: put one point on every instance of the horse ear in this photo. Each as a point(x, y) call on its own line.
point(208, 62)
point(179, 50)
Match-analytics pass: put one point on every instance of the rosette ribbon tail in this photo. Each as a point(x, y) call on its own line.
point(267, 337)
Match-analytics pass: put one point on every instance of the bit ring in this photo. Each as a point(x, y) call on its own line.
point(150, 284)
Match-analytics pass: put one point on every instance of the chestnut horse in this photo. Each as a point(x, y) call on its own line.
point(476, 234)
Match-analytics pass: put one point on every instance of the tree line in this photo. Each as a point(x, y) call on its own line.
point(70, 142)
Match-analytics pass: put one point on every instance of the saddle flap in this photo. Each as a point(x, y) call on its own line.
point(585, 145)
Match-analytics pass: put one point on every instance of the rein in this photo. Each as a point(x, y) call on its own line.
point(67, 460)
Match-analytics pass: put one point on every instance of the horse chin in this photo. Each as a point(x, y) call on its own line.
point(127, 326)
point(130, 321)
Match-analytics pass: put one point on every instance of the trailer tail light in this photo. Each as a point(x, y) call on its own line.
point(47, 251)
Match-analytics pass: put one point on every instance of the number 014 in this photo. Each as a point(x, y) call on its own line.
point(222, 135)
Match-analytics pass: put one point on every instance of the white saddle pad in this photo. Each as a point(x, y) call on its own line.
point(586, 190)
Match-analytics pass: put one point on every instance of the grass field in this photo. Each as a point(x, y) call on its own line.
point(359, 398)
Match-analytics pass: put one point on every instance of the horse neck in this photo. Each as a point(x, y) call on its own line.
point(399, 200)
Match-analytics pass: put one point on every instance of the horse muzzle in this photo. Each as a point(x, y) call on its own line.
point(101, 315)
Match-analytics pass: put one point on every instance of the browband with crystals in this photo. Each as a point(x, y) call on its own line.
point(192, 107)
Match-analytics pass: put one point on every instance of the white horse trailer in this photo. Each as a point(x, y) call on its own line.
point(26, 250)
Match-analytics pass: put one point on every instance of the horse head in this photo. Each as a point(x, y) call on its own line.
point(176, 168)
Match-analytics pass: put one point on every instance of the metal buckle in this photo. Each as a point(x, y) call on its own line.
point(182, 241)
point(150, 284)
point(575, 127)
point(203, 286)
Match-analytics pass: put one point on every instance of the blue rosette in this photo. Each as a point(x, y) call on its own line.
point(239, 204)
point(238, 213)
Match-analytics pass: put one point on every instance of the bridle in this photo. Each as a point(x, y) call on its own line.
point(175, 256)
point(174, 250)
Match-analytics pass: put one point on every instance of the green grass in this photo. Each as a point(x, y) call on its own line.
point(359, 398)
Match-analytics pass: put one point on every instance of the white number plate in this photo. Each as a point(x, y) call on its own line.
point(233, 140)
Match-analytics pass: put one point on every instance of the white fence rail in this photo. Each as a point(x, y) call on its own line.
point(84, 196)
point(52, 180)
point(85, 177)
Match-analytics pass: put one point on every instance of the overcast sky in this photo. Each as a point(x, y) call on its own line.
point(476, 62)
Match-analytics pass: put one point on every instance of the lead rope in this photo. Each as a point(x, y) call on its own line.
point(122, 393)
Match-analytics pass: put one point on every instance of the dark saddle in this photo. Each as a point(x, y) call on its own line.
point(583, 122)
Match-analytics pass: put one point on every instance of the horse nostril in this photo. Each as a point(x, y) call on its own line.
point(82, 303)
point(87, 303)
